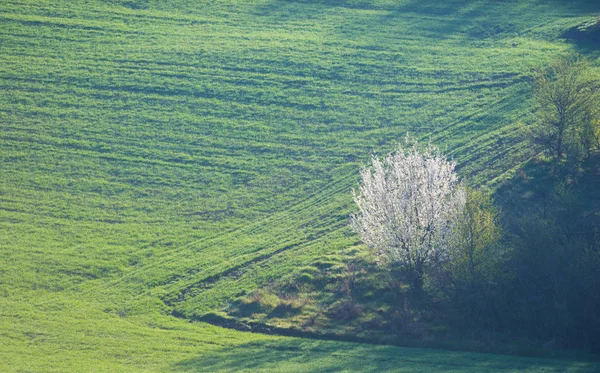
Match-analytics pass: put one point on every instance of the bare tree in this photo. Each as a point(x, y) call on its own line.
point(408, 204)
point(568, 101)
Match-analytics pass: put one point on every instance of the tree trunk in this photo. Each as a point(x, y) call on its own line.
point(416, 279)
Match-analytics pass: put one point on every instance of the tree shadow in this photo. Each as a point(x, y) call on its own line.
point(432, 18)
point(303, 355)
point(585, 37)
point(535, 182)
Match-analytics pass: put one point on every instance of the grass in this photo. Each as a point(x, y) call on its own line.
point(171, 156)
point(66, 334)
point(316, 356)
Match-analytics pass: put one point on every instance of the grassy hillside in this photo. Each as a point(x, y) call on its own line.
point(168, 156)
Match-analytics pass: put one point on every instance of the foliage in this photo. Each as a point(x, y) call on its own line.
point(553, 266)
point(408, 204)
point(477, 233)
point(476, 267)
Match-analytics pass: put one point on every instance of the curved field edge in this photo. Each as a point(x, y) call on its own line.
point(66, 334)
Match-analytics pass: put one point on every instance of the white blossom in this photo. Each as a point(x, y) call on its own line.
point(408, 204)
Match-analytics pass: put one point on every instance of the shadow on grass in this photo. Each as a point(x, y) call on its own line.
point(585, 37)
point(298, 355)
point(437, 19)
point(535, 182)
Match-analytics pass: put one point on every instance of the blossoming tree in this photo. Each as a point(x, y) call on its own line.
point(409, 202)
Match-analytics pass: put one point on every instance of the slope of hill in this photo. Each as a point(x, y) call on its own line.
point(162, 157)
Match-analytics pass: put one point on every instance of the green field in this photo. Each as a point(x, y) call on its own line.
point(165, 157)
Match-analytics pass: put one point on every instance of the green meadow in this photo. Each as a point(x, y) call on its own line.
point(159, 159)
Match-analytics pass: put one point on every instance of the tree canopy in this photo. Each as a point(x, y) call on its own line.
point(409, 202)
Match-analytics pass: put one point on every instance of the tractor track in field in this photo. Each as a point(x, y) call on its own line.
point(232, 273)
